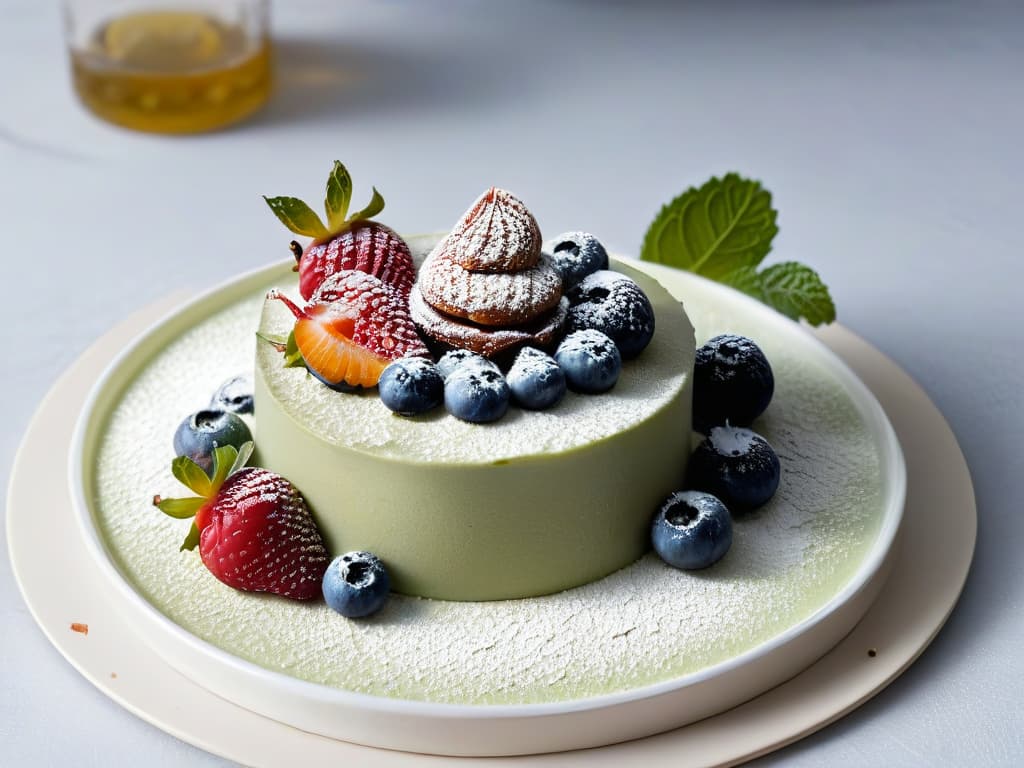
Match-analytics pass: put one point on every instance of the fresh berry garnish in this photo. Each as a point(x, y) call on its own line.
point(452, 359)
point(352, 328)
point(356, 584)
point(366, 246)
point(737, 465)
point(411, 386)
point(691, 530)
point(253, 528)
point(590, 360)
point(345, 242)
point(536, 380)
point(204, 431)
point(574, 255)
point(614, 304)
point(732, 382)
point(476, 392)
point(234, 395)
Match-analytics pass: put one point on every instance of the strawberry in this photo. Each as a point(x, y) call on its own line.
point(366, 246)
point(253, 528)
point(345, 242)
point(353, 327)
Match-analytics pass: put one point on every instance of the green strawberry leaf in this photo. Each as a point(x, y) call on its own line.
point(244, 454)
point(715, 230)
point(339, 195)
point(223, 460)
point(192, 476)
point(292, 356)
point(375, 206)
point(181, 509)
point(191, 540)
point(796, 291)
point(297, 216)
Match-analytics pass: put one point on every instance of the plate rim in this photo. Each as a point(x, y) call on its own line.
point(894, 472)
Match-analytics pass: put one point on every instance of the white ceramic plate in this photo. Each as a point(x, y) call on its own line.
point(452, 728)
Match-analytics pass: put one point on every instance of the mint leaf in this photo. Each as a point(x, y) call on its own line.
point(723, 230)
point(292, 356)
point(297, 216)
point(723, 226)
point(747, 280)
point(796, 291)
point(191, 475)
point(339, 195)
point(375, 206)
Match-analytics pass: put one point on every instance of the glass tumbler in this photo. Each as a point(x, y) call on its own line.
point(155, 66)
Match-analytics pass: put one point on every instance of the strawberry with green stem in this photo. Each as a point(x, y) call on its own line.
point(253, 528)
point(344, 242)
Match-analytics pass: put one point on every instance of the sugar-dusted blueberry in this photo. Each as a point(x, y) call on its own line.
point(476, 392)
point(737, 465)
point(536, 380)
point(574, 255)
point(590, 360)
point(356, 584)
point(203, 431)
point(454, 358)
point(691, 530)
point(411, 386)
point(614, 304)
point(234, 395)
point(732, 382)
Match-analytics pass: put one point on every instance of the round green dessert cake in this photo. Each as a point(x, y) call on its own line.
point(535, 503)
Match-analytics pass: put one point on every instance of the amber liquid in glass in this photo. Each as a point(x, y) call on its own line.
point(172, 72)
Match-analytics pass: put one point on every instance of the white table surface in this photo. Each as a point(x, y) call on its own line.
point(889, 133)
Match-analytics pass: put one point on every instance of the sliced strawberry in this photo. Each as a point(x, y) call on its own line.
point(353, 327)
point(345, 242)
point(368, 247)
point(254, 530)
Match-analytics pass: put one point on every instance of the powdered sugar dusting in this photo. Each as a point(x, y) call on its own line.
point(368, 247)
point(453, 332)
point(489, 298)
point(496, 234)
point(644, 624)
point(646, 385)
point(607, 299)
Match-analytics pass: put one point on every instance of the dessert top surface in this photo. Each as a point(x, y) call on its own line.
point(646, 385)
point(644, 624)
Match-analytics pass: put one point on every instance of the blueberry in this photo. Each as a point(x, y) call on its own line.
point(732, 382)
point(476, 393)
point(574, 255)
point(614, 304)
point(411, 385)
point(737, 465)
point(234, 395)
point(536, 380)
point(356, 584)
point(691, 530)
point(453, 359)
point(591, 361)
point(199, 434)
